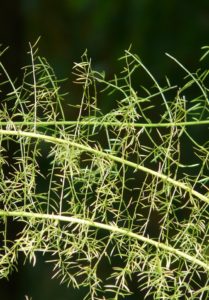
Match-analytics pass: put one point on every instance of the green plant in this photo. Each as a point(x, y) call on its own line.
point(123, 195)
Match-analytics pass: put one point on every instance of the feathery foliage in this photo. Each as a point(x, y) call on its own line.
point(112, 198)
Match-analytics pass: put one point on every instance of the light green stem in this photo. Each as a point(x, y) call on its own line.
point(104, 123)
point(100, 153)
point(111, 228)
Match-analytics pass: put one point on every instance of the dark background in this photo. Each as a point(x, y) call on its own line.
point(106, 28)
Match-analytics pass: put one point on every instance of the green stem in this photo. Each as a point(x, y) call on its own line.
point(111, 228)
point(100, 153)
point(105, 124)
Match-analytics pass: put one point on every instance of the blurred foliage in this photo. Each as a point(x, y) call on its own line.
point(108, 27)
